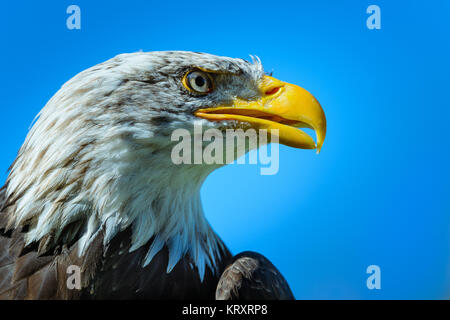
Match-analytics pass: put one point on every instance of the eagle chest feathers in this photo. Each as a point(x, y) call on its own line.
point(94, 185)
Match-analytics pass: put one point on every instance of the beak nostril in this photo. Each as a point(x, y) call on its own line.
point(272, 91)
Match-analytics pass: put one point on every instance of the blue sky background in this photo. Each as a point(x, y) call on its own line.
point(379, 191)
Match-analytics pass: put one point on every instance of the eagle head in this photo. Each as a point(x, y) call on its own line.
point(98, 156)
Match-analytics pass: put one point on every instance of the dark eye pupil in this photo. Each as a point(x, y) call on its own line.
point(199, 81)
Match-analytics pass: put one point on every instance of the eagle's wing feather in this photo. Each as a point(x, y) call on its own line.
point(251, 276)
point(24, 276)
point(36, 277)
point(27, 274)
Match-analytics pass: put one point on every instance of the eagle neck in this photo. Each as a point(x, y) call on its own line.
point(163, 209)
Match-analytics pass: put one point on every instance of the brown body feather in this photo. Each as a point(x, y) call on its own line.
point(112, 272)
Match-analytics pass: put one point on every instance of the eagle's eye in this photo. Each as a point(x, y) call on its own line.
point(198, 81)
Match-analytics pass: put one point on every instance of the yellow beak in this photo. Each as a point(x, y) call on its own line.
point(282, 106)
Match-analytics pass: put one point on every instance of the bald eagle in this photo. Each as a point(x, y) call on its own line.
point(93, 185)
